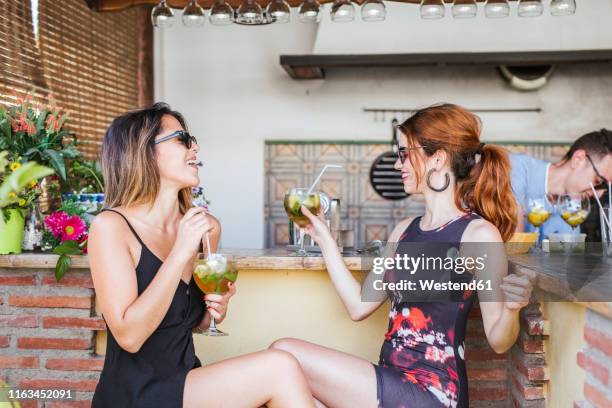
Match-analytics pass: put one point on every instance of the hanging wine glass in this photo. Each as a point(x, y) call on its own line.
point(373, 10)
point(221, 13)
point(497, 9)
point(530, 8)
point(562, 7)
point(464, 9)
point(432, 9)
point(193, 15)
point(310, 11)
point(162, 16)
point(250, 13)
point(342, 11)
point(279, 10)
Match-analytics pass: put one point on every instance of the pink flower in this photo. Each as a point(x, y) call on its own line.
point(73, 228)
point(66, 227)
point(55, 222)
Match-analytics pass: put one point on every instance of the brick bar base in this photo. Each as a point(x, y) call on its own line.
point(47, 334)
point(596, 360)
point(528, 369)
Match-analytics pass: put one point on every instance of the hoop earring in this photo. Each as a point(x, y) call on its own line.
point(446, 181)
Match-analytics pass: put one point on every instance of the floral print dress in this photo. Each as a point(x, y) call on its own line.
point(422, 361)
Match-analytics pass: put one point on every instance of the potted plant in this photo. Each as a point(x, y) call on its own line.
point(84, 176)
point(84, 184)
point(18, 188)
point(36, 132)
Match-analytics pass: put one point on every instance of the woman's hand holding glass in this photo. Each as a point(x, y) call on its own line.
point(317, 228)
point(217, 304)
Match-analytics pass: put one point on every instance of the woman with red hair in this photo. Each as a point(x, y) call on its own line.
point(468, 199)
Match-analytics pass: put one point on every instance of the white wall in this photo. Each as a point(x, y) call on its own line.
point(404, 31)
point(229, 84)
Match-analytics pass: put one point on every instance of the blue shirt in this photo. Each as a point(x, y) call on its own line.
point(529, 177)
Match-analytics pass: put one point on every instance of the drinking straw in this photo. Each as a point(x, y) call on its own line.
point(208, 246)
point(336, 166)
point(607, 222)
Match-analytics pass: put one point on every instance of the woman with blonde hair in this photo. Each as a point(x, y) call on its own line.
point(142, 249)
point(468, 199)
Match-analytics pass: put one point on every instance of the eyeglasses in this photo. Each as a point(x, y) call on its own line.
point(402, 152)
point(185, 138)
point(602, 182)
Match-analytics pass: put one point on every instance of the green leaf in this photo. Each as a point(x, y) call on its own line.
point(42, 119)
point(56, 160)
point(5, 127)
point(70, 152)
point(3, 161)
point(62, 266)
point(20, 178)
point(69, 247)
point(31, 151)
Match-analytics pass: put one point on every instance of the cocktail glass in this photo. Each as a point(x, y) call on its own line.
point(294, 200)
point(574, 208)
point(539, 211)
point(212, 274)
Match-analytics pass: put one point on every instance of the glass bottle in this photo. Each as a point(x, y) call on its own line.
point(33, 230)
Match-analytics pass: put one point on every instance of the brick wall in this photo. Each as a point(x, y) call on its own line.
point(487, 370)
point(596, 360)
point(529, 373)
point(513, 379)
point(48, 330)
point(47, 333)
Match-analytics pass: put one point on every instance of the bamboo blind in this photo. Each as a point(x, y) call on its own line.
point(88, 61)
point(20, 68)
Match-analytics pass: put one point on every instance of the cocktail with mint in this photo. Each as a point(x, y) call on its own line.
point(213, 274)
point(294, 200)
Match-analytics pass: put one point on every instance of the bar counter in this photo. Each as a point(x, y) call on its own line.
point(591, 287)
point(52, 335)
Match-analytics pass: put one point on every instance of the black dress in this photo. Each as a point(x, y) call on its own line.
point(422, 358)
point(155, 375)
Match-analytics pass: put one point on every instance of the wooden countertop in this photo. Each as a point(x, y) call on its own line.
point(582, 278)
point(245, 259)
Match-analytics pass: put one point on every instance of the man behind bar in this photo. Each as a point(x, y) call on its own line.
point(589, 160)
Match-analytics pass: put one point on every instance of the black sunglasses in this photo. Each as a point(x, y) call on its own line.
point(602, 181)
point(183, 136)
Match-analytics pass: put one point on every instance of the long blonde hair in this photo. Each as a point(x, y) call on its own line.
point(128, 159)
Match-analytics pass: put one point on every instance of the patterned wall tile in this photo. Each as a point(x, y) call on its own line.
point(281, 233)
point(376, 232)
point(362, 209)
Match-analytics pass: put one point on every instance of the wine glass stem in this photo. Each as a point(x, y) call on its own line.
point(302, 250)
point(212, 325)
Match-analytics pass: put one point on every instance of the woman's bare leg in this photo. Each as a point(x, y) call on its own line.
point(271, 377)
point(336, 379)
